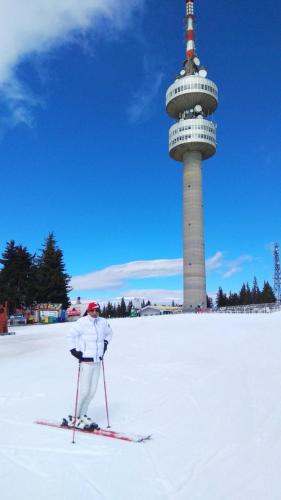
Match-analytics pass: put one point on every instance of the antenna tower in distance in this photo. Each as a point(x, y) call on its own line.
point(277, 273)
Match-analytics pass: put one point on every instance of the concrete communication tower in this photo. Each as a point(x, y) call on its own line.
point(190, 100)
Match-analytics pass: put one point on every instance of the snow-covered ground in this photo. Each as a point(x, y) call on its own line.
point(208, 387)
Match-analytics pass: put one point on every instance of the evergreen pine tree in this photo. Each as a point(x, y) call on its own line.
point(114, 311)
point(16, 276)
point(249, 299)
point(235, 299)
point(255, 292)
point(243, 295)
point(109, 310)
point(123, 308)
point(118, 310)
point(230, 299)
point(267, 294)
point(221, 298)
point(52, 279)
point(210, 304)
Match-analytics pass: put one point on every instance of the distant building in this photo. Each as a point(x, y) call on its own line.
point(73, 313)
point(157, 310)
point(80, 305)
point(150, 311)
point(47, 312)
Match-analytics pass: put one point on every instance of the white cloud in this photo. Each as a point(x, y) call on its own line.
point(19, 103)
point(232, 270)
point(143, 98)
point(115, 276)
point(214, 262)
point(227, 267)
point(234, 266)
point(36, 26)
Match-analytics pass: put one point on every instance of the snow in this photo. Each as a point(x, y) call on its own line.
point(208, 387)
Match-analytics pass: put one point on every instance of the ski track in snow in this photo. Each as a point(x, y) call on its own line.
point(22, 463)
point(91, 483)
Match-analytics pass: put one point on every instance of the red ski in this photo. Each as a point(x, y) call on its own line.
point(135, 438)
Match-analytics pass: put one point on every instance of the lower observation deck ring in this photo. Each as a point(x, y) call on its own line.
point(195, 134)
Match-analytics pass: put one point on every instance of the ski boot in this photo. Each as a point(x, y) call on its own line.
point(85, 423)
point(68, 422)
point(94, 427)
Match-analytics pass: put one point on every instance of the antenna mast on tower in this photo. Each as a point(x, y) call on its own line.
point(277, 273)
point(190, 42)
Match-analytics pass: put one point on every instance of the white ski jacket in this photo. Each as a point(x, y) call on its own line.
point(88, 335)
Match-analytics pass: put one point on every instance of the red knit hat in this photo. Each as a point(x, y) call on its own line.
point(92, 306)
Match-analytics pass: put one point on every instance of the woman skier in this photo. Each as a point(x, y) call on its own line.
point(87, 340)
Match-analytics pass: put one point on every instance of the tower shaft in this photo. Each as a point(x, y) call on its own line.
point(193, 233)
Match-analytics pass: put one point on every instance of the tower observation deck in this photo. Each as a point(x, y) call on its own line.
point(190, 100)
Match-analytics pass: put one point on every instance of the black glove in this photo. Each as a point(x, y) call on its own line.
point(105, 342)
point(77, 354)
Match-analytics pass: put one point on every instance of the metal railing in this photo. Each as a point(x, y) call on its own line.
point(250, 308)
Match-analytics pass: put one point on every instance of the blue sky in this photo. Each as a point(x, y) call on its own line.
point(84, 140)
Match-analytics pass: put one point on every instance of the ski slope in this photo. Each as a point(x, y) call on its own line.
point(208, 387)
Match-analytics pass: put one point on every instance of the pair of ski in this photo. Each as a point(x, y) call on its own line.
point(135, 438)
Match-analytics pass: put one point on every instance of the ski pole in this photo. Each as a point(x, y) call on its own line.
point(105, 393)
point(76, 404)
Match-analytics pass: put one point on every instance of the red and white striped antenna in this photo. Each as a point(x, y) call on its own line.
point(190, 33)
